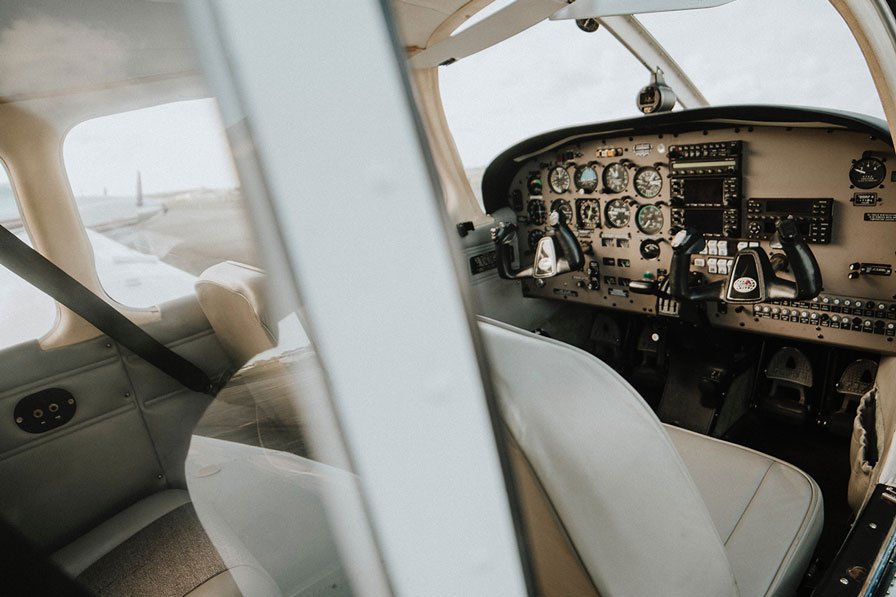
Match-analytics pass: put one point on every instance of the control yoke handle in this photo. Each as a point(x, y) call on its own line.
point(752, 277)
point(548, 260)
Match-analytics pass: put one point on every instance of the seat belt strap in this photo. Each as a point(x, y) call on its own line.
point(47, 277)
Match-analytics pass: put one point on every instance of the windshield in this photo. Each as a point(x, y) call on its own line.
point(789, 52)
point(554, 75)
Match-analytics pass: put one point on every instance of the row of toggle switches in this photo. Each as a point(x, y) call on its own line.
point(721, 248)
point(859, 315)
point(714, 265)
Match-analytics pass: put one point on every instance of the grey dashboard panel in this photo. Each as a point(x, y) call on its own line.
point(782, 168)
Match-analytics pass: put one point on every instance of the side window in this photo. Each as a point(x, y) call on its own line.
point(159, 196)
point(26, 313)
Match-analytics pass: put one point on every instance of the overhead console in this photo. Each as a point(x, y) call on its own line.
point(730, 176)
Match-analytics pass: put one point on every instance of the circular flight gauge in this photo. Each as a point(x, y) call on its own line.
point(537, 213)
point(649, 219)
point(615, 177)
point(867, 173)
point(650, 249)
point(562, 205)
point(648, 182)
point(533, 185)
point(588, 213)
point(534, 237)
point(585, 179)
point(558, 179)
point(617, 213)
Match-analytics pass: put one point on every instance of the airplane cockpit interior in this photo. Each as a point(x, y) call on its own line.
point(733, 262)
point(449, 297)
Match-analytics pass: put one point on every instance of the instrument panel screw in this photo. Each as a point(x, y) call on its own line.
point(873, 525)
point(844, 581)
point(108, 345)
point(19, 420)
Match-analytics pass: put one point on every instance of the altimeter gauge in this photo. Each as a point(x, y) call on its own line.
point(648, 182)
point(615, 177)
point(558, 179)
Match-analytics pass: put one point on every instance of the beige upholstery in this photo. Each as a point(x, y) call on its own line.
point(231, 295)
point(768, 513)
point(557, 569)
point(650, 510)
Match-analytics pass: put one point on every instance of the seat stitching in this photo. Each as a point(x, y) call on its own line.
point(752, 497)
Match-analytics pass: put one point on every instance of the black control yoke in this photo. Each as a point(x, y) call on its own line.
point(547, 262)
point(752, 277)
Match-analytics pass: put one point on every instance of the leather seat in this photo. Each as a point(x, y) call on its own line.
point(768, 512)
point(649, 509)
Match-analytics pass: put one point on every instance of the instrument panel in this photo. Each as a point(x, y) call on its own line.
point(625, 198)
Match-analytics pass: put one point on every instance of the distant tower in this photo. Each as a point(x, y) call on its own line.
point(139, 190)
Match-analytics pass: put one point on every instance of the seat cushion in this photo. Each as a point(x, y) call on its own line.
point(650, 509)
point(768, 513)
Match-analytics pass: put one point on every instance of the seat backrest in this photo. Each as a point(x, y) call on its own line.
point(231, 295)
point(611, 473)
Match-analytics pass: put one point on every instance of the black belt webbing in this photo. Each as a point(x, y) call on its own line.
point(44, 275)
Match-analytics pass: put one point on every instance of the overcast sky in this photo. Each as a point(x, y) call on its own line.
point(174, 147)
point(552, 75)
point(796, 52)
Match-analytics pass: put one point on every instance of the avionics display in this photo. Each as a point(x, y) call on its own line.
point(814, 217)
point(707, 221)
point(703, 191)
point(707, 176)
